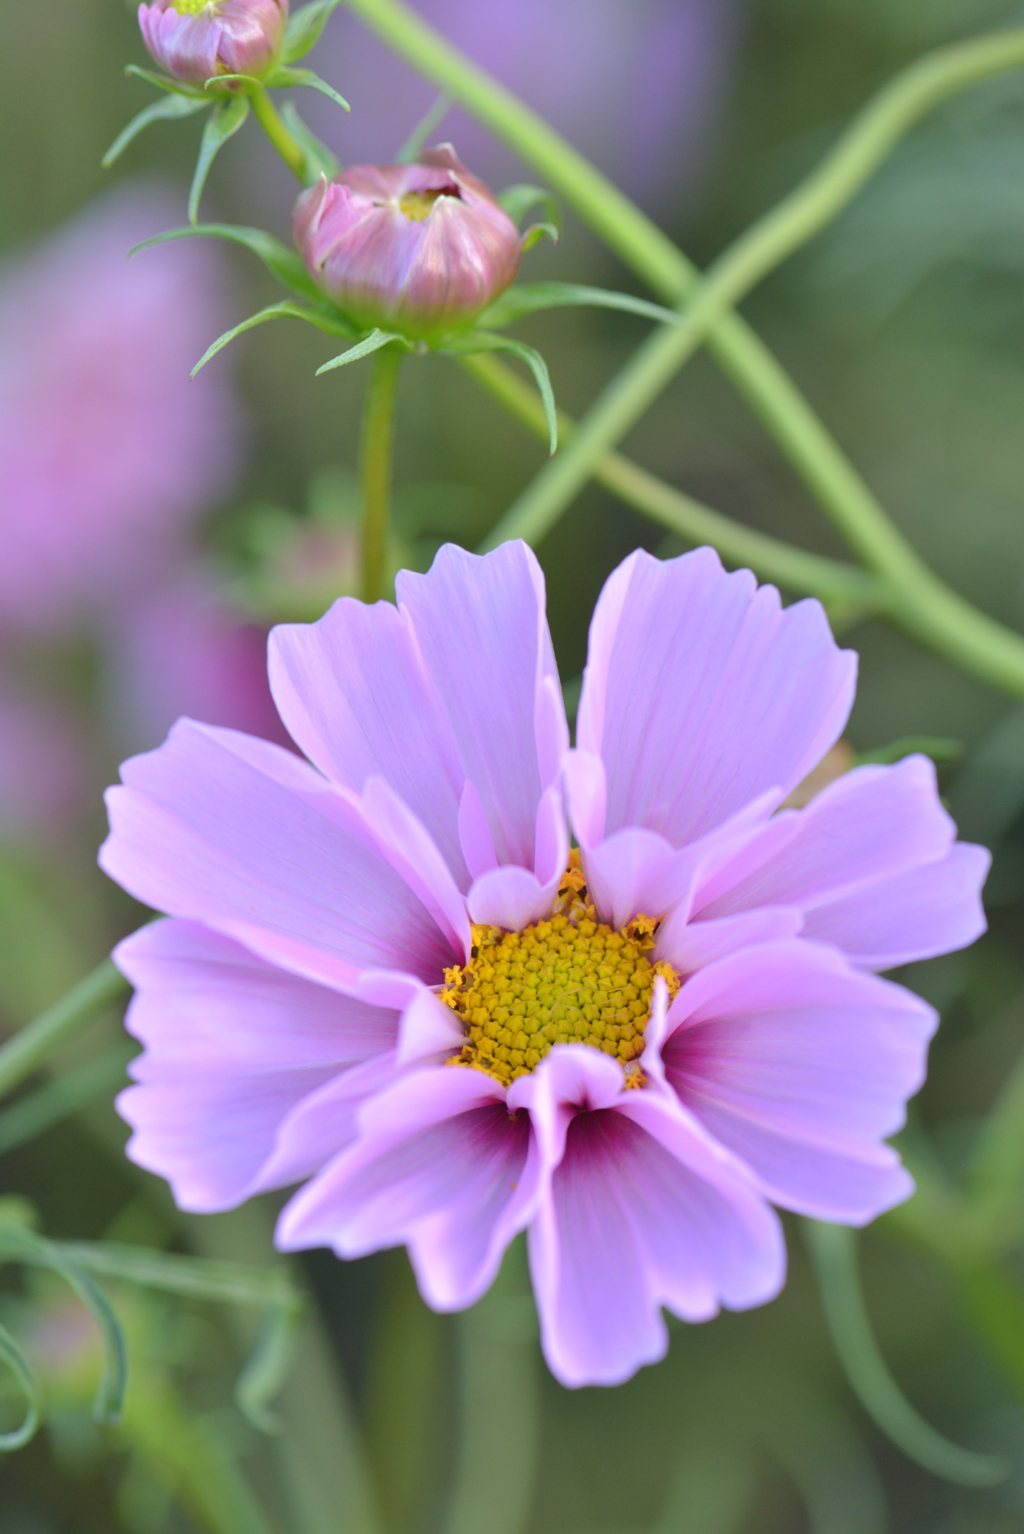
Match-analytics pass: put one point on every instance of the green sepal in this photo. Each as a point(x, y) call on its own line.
point(317, 158)
point(484, 341)
point(371, 343)
point(227, 118)
point(304, 29)
point(518, 200)
point(19, 1366)
point(284, 310)
point(164, 82)
point(284, 264)
point(21, 1245)
point(535, 233)
point(529, 298)
point(413, 146)
point(283, 77)
point(169, 107)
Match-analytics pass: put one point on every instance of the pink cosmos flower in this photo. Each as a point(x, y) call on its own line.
point(197, 39)
point(107, 451)
point(386, 973)
point(415, 248)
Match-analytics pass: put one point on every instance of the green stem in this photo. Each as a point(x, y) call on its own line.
point(375, 468)
point(37, 1041)
point(771, 558)
point(932, 612)
point(270, 121)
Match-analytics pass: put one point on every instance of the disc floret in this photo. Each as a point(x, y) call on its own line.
point(570, 979)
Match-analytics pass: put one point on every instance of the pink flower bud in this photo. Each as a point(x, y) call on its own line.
point(197, 39)
point(419, 249)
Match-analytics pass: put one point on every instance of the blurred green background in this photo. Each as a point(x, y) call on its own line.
point(904, 324)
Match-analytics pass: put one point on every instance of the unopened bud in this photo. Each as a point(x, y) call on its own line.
point(418, 249)
point(197, 39)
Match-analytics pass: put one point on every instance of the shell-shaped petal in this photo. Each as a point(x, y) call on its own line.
point(225, 37)
point(700, 692)
point(242, 835)
point(441, 1165)
point(233, 1045)
point(801, 1066)
point(640, 1210)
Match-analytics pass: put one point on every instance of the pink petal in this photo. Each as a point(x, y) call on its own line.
point(441, 1165)
point(642, 1210)
point(241, 835)
point(700, 693)
point(915, 915)
point(324, 1123)
point(429, 1028)
point(475, 834)
point(801, 1066)
point(482, 631)
point(689, 945)
point(355, 695)
point(408, 847)
point(869, 824)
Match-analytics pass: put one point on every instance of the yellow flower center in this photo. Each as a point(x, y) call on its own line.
point(567, 980)
point(418, 205)
point(193, 7)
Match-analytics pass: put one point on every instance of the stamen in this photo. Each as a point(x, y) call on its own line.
point(567, 980)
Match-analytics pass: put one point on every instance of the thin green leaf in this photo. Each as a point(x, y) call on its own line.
point(476, 341)
point(536, 233)
point(529, 298)
point(939, 747)
point(63, 1096)
point(282, 78)
point(227, 118)
point(164, 82)
point(284, 310)
point(413, 146)
point(168, 108)
point(304, 29)
point(198, 1278)
point(518, 200)
point(372, 343)
point(286, 265)
point(18, 1364)
point(33, 1045)
point(268, 1367)
point(25, 1246)
point(834, 1250)
point(319, 161)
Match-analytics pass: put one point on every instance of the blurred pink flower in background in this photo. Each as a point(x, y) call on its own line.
point(633, 83)
point(107, 451)
point(181, 650)
point(43, 775)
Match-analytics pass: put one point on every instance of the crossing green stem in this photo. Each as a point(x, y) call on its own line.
point(375, 468)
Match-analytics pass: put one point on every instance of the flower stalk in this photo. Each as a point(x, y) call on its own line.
point(375, 461)
point(270, 120)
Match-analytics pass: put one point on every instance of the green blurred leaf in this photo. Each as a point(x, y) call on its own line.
point(283, 77)
point(475, 341)
point(227, 118)
point(22, 1245)
point(834, 1251)
point(536, 233)
point(18, 1364)
point(304, 29)
point(63, 1096)
point(530, 297)
point(268, 1367)
point(169, 108)
point(518, 200)
point(284, 264)
point(198, 1278)
point(274, 312)
point(940, 748)
point(319, 160)
point(372, 343)
point(413, 146)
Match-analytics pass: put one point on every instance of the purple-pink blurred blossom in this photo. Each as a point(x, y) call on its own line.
point(634, 84)
point(43, 755)
point(108, 452)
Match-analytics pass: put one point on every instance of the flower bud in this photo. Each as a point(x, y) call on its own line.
point(197, 39)
point(418, 249)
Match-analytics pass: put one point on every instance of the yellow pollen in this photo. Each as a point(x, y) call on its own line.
point(418, 205)
point(567, 980)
